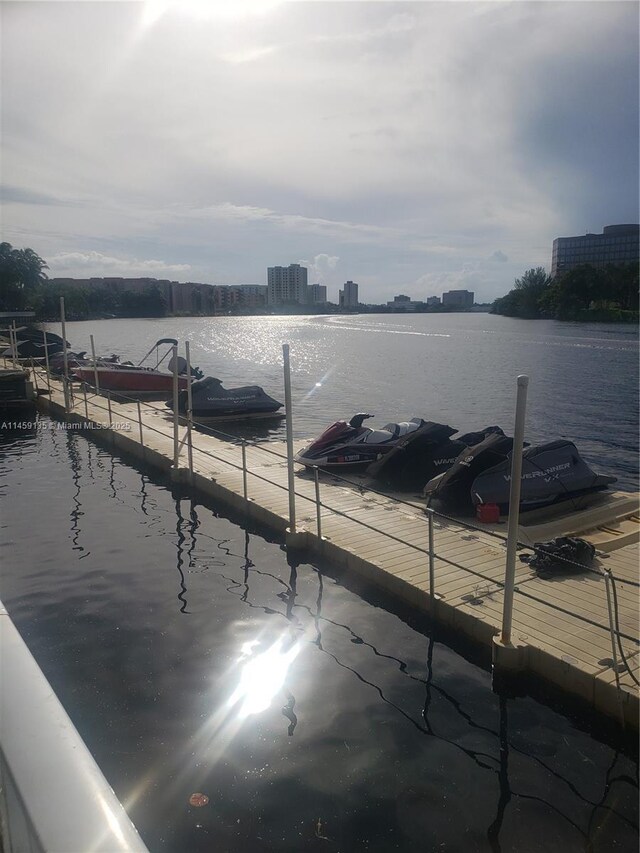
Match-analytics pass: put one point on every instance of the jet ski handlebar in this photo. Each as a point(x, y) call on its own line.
point(357, 420)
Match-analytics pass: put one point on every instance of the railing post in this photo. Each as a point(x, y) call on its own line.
point(189, 408)
point(13, 339)
point(140, 424)
point(109, 405)
point(95, 366)
point(65, 358)
point(289, 417)
point(432, 575)
point(84, 394)
point(46, 360)
point(316, 477)
point(614, 654)
point(244, 469)
point(176, 413)
point(33, 374)
point(514, 509)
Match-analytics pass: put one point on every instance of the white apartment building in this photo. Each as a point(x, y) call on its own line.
point(317, 294)
point(287, 285)
point(348, 297)
point(252, 295)
point(458, 298)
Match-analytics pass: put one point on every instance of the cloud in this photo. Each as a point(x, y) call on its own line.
point(250, 55)
point(24, 195)
point(406, 140)
point(247, 214)
point(88, 264)
point(321, 268)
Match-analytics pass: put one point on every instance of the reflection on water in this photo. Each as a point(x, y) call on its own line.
point(75, 465)
point(194, 658)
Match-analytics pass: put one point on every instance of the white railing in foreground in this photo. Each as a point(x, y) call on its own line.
point(53, 796)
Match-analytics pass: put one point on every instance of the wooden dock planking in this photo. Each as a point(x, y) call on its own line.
point(560, 647)
point(540, 625)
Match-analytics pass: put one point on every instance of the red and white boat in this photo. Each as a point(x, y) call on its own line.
point(136, 381)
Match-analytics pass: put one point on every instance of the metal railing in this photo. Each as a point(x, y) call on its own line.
point(433, 517)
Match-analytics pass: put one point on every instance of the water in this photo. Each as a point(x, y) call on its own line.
point(458, 369)
point(193, 657)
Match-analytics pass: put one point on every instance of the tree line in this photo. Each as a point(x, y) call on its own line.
point(24, 286)
point(585, 293)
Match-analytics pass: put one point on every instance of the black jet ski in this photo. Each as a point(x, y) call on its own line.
point(30, 343)
point(453, 487)
point(210, 400)
point(350, 443)
point(551, 473)
point(79, 360)
point(423, 454)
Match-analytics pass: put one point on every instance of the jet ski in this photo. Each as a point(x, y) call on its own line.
point(452, 488)
point(551, 473)
point(423, 454)
point(30, 343)
point(77, 360)
point(350, 443)
point(210, 400)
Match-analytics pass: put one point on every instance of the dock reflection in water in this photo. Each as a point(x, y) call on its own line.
point(194, 658)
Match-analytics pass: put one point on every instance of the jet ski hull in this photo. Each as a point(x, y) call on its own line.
point(423, 454)
point(351, 445)
point(210, 401)
point(551, 473)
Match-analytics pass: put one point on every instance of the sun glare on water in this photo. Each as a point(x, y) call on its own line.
point(262, 677)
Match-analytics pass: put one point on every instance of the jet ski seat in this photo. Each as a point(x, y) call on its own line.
point(404, 427)
point(380, 436)
point(390, 432)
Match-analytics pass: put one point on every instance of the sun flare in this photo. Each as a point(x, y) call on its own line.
point(262, 677)
point(154, 10)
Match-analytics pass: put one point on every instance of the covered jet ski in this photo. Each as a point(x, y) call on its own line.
point(76, 360)
point(453, 487)
point(347, 444)
point(423, 454)
point(210, 400)
point(31, 343)
point(551, 473)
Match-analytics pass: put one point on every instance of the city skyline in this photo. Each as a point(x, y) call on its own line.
point(416, 148)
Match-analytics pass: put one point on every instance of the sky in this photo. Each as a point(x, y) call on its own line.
point(411, 147)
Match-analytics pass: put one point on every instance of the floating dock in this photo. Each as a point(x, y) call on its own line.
point(580, 632)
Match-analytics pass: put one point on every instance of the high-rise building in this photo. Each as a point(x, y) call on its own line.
point(287, 285)
point(252, 295)
point(317, 294)
point(348, 297)
point(458, 299)
point(433, 300)
point(618, 244)
point(404, 303)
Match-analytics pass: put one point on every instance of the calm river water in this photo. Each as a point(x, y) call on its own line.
point(458, 369)
point(193, 657)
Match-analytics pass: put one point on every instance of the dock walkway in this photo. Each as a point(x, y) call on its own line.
point(561, 626)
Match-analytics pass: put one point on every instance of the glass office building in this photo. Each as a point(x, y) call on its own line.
point(618, 244)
